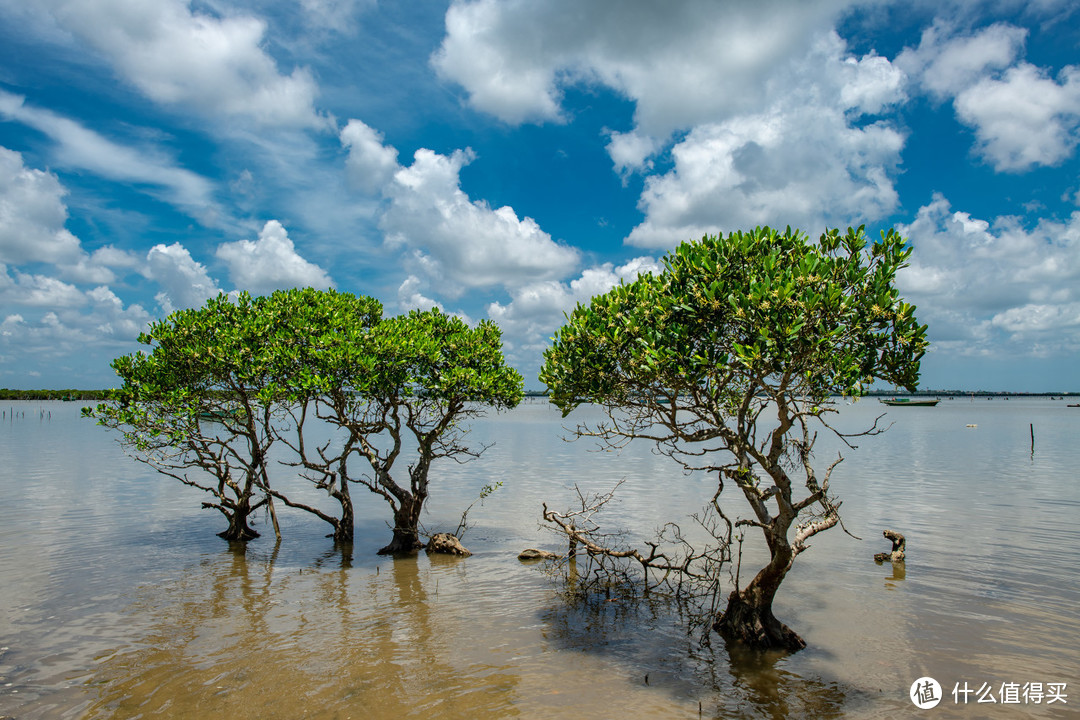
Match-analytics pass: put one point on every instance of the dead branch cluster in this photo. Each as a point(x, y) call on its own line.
point(601, 563)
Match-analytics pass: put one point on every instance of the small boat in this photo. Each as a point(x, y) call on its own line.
point(901, 402)
point(1073, 405)
point(223, 414)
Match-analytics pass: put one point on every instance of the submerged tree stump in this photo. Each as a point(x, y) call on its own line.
point(446, 544)
point(751, 623)
point(898, 545)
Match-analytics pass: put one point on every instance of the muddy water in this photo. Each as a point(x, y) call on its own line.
point(118, 601)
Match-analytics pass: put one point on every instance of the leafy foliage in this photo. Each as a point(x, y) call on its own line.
point(754, 307)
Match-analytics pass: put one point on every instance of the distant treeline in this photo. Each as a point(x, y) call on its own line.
point(69, 394)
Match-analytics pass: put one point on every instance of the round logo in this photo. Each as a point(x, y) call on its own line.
point(925, 693)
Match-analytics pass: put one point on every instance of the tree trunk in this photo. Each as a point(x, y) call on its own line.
point(238, 530)
point(406, 529)
point(749, 618)
point(751, 623)
point(344, 528)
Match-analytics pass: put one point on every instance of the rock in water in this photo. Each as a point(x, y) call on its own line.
point(446, 544)
point(532, 554)
point(899, 544)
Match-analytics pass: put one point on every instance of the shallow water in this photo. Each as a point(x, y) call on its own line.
point(117, 600)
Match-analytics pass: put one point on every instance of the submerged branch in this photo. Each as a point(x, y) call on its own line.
point(669, 565)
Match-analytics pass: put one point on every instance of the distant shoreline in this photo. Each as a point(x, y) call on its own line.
point(66, 394)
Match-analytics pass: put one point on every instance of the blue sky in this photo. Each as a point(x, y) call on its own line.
point(507, 160)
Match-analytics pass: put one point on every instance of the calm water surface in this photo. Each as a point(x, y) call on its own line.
point(117, 600)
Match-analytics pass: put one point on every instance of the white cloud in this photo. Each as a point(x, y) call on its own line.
point(32, 215)
point(109, 319)
point(370, 164)
point(808, 159)
point(177, 56)
point(867, 85)
point(88, 269)
point(270, 263)
point(445, 235)
point(99, 266)
point(1025, 118)
point(983, 285)
point(11, 322)
point(946, 63)
point(411, 297)
point(682, 63)
point(1021, 116)
point(775, 105)
point(80, 148)
point(76, 324)
point(32, 226)
point(58, 319)
point(805, 167)
point(1035, 317)
point(631, 151)
point(463, 240)
point(31, 290)
point(184, 282)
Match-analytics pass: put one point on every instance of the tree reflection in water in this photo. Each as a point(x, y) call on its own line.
point(728, 680)
point(767, 690)
point(238, 636)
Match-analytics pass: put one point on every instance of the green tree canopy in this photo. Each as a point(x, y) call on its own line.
point(754, 308)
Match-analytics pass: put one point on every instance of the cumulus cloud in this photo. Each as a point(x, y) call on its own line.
point(270, 263)
point(806, 161)
point(983, 284)
point(445, 234)
point(464, 240)
point(32, 290)
point(93, 316)
point(99, 266)
point(806, 168)
point(81, 324)
point(109, 319)
point(80, 148)
point(411, 296)
point(370, 164)
point(177, 56)
point(631, 151)
point(1025, 118)
point(32, 226)
point(32, 215)
point(1022, 117)
point(184, 282)
point(945, 63)
point(776, 116)
point(682, 63)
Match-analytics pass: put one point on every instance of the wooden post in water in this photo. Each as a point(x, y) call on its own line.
point(1032, 426)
